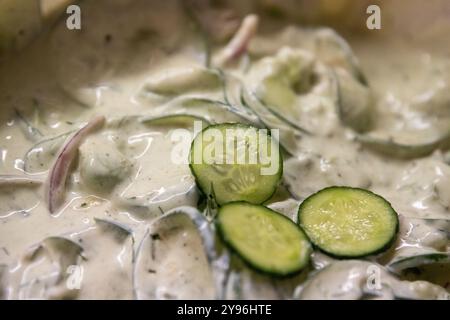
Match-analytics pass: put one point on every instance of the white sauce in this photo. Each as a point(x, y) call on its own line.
point(123, 172)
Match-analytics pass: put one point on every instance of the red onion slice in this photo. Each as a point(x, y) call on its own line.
point(239, 43)
point(56, 181)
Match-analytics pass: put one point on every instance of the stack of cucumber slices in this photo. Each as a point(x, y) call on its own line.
point(342, 222)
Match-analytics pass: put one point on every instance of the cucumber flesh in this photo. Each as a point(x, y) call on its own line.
point(348, 222)
point(266, 240)
point(236, 173)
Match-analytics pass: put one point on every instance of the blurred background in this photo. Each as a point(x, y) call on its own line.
point(415, 20)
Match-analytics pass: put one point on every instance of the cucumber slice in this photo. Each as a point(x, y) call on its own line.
point(348, 222)
point(215, 111)
point(226, 160)
point(266, 240)
point(402, 263)
point(288, 135)
point(176, 119)
point(355, 102)
point(197, 258)
point(393, 148)
point(202, 103)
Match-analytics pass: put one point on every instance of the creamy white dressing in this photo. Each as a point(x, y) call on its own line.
point(123, 182)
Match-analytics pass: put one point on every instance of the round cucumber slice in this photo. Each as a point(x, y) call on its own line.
point(236, 162)
point(348, 222)
point(266, 240)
